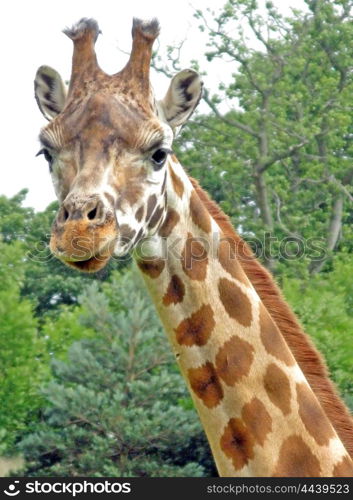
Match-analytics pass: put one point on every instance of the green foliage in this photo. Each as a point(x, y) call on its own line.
point(279, 160)
point(62, 329)
point(21, 351)
point(33, 287)
point(324, 305)
point(114, 405)
point(14, 218)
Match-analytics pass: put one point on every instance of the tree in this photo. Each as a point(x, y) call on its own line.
point(324, 305)
point(295, 91)
point(32, 285)
point(14, 217)
point(282, 158)
point(117, 405)
point(21, 350)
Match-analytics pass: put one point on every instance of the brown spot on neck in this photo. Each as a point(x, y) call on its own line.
point(235, 302)
point(171, 220)
point(228, 260)
point(312, 415)
point(175, 292)
point(139, 213)
point(127, 233)
point(296, 460)
point(257, 420)
point(194, 259)
point(205, 383)
point(234, 360)
point(272, 338)
point(156, 217)
point(199, 214)
point(277, 386)
point(152, 267)
point(151, 203)
point(237, 443)
point(139, 235)
point(197, 328)
point(177, 183)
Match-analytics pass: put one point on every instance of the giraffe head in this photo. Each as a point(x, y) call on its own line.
point(107, 145)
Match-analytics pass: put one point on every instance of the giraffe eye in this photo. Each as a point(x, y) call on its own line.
point(158, 158)
point(47, 156)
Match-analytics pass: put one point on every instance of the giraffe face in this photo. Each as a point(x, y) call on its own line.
point(108, 165)
point(107, 145)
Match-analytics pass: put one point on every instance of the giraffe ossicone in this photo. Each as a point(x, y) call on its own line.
point(260, 388)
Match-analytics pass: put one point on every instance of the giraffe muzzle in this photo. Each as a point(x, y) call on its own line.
point(84, 234)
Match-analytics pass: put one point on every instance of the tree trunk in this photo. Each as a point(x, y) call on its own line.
point(333, 234)
point(266, 216)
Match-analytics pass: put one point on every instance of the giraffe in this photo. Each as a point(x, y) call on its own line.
point(261, 389)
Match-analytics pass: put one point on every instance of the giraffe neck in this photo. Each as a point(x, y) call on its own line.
point(257, 409)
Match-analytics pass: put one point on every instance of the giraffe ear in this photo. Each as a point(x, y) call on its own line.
point(183, 96)
point(49, 91)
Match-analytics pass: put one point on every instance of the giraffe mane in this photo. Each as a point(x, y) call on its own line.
point(301, 346)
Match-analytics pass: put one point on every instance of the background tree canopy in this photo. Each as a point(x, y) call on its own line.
point(88, 384)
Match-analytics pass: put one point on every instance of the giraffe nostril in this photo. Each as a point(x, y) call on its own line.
point(65, 215)
point(92, 214)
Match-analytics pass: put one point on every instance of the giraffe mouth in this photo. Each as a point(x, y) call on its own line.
point(82, 245)
point(92, 262)
point(91, 265)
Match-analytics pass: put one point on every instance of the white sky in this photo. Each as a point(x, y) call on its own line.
point(31, 35)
